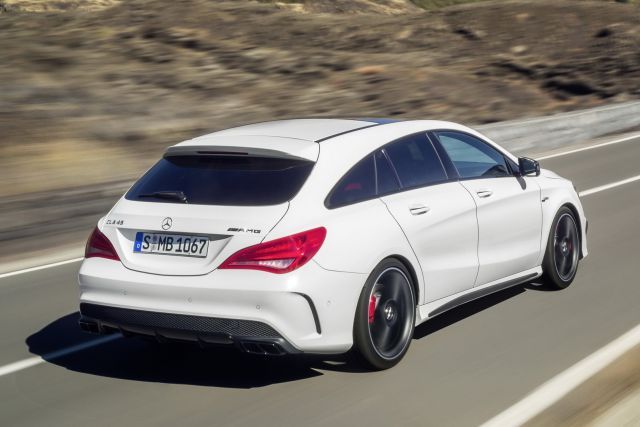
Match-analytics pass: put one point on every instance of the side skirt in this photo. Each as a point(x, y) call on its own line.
point(435, 308)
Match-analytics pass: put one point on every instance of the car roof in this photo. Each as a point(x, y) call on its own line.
point(308, 129)
point(299, 138)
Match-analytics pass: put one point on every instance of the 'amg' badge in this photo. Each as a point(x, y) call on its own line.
point(243, 230)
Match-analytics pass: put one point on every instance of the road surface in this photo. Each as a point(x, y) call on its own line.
point(463, 367)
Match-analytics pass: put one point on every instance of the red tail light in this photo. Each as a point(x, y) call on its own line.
point(279, 256)
point(99, 246)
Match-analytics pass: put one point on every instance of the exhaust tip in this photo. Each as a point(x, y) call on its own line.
point(262, 348)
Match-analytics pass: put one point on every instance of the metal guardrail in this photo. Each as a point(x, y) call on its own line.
point(550, 132)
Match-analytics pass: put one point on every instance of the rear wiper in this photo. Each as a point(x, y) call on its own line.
point(171, 195)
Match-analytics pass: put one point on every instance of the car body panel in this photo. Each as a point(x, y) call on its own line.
point(509, 217)
point(229, 228)
point(277, 300)
point(431, 309)
point(557, 192)
point(445, 238)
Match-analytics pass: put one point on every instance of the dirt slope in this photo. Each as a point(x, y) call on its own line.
point(93, 91)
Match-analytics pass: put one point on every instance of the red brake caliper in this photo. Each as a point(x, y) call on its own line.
point(373, 302)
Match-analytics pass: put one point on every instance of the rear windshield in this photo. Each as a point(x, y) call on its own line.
point(221, 180)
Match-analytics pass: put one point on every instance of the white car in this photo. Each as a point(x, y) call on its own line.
point(325, 235)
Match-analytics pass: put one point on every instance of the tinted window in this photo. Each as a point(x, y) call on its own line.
point(387, 181)
point(416, 161)
point(221, 180)
point(472, 157)
point(357, 185)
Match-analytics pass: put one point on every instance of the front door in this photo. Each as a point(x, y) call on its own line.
point(509, 208)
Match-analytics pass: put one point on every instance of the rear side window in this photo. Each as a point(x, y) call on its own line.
point(416, 161)
point(472, 157)
point(386, 177)
point(221, 180)
point(357, 185)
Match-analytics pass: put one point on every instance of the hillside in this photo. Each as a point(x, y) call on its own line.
point(93, 90)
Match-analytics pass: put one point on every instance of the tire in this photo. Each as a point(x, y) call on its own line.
point(385, 316)
point(562, 254)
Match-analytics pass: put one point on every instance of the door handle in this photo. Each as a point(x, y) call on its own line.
point(418, 209)
point(484, 193)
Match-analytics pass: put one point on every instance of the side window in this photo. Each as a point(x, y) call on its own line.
point(357, 185)
point(416, 161)
point(385, 175)
point(472, 157)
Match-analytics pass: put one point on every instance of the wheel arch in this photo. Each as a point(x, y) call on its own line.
point(415, 284)
point(576, 215)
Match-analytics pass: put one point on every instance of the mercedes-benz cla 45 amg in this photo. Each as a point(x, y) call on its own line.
point(325, 236)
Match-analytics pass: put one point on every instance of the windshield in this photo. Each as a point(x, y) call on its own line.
point(221, 180)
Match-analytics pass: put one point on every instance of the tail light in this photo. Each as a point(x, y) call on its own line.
point(99, 246)
point(279, 256)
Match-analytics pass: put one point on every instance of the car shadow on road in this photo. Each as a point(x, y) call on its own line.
point(140, 360)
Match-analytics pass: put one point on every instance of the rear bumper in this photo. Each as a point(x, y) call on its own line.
point(308, 310)
point(247, 335)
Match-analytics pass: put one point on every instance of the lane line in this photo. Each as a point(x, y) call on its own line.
point(590, 147)
point(608, 186)
point(40, 267)
point(36, 360)
point(562, 384)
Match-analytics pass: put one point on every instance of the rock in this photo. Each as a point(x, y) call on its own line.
point(519, 49)
point(470, 33)
point(369, 70)
point(605, 32)
point(571, 86)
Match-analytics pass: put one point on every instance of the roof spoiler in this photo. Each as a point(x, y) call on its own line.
point(250, 146)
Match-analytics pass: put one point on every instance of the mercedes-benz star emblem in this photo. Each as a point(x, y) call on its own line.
point(166, 223)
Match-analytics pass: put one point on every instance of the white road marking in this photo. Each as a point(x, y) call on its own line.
point(590, 147)
point(560, 385)
point(36, 360)
point(609, 186)
point(40, 267)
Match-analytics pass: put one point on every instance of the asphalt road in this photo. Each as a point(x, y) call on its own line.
point(463, 367)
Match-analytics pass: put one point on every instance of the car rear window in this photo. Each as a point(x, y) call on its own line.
point(221, 180)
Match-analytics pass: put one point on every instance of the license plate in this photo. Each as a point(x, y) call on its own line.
point(171, 244)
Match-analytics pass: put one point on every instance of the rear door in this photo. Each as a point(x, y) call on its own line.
point(189, 212)
point(437, 215)
point(509, 206)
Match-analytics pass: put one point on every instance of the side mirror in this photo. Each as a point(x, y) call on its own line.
point(528, 166)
